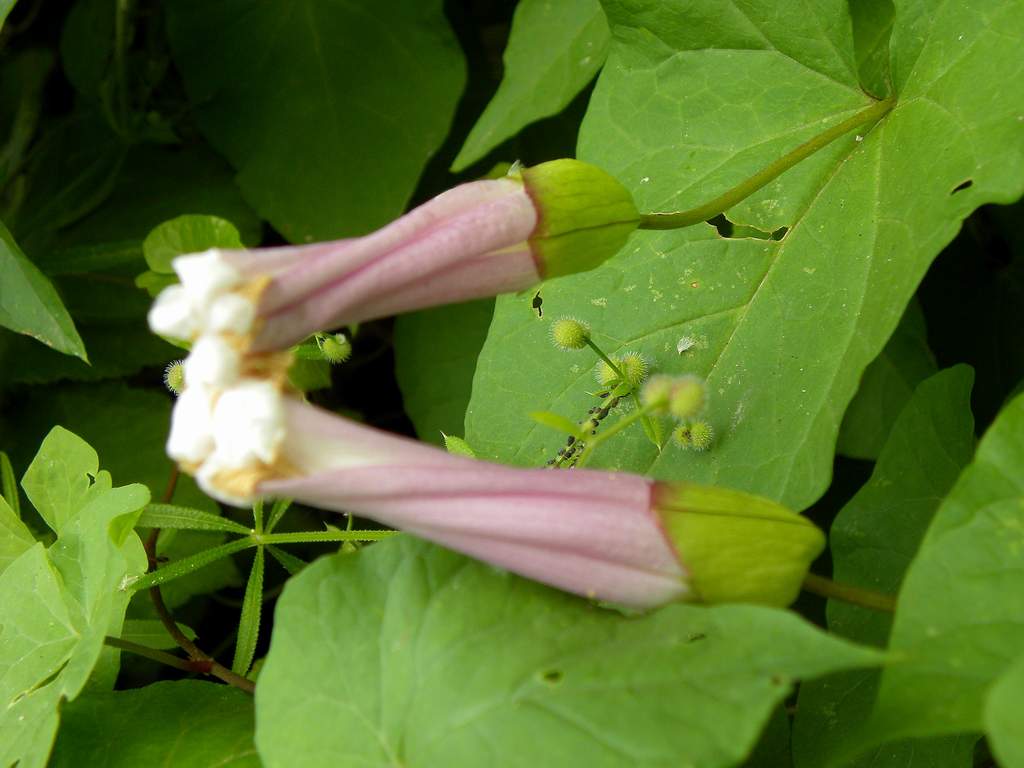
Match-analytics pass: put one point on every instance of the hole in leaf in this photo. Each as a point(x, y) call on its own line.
point(729, 230)
point(960, 187)
point(722, 224)
point(552, 676)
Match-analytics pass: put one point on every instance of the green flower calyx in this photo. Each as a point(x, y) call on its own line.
point(584, 216)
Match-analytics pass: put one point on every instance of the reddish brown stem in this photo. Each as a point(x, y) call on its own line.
point(200, 661)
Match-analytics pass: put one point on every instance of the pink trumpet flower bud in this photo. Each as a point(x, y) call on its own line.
point(616, 537)
point(478, 239)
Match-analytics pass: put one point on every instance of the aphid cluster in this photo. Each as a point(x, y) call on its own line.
point(569, 455)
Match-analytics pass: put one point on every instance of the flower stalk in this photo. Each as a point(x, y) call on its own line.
point(743, 190)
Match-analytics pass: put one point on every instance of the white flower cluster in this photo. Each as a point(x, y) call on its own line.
point(223, 421)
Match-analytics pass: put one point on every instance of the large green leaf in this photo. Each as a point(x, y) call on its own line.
point(71, 171)
point(873, 540)
point(5, 8)
point(553, 51)
point(328, 109)
point(960, 620)
point(154, 185)
point(15, 537)
point(432, 659)
point(60, 479)
point(694, 98)
point(187, 234)
point(886, 387)
point(1002, 717)
point(435, 356)
point(30, 305)
point(128, 428)
point(59, 604)
point(183, 723)
point(115, 349)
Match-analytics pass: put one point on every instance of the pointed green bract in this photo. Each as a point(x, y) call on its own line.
point(584, 216)
point(736, 547)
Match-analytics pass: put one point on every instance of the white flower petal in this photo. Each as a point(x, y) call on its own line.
point(206, 275)
point(248, 425)
point(191, 437)
point(212, 363)
point(231, 313)
point(173, 314)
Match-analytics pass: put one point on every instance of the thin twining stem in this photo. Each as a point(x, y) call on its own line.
point(622, 378)
point(740, 192)
point(200, 660)
point(152, 653)
point(865, 598)
point(640, 413)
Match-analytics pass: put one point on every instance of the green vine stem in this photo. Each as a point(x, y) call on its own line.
point(316, 537)
point(648, 427)
point(722, 203)
point(865, 598)
point(199, 661)
point(642, 412)
point(152, 653)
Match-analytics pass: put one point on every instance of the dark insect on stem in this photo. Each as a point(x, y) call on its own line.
point(569, 455)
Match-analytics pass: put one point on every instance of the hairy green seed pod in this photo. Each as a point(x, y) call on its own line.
point(633, 367)
point(569, 333)
point(688, 397)
point(174, 376)
point(335, 348)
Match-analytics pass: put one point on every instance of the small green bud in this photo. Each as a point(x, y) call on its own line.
point(696, 436)
point(657, 392)
point(701, 435)
point(633, 367)
point(569, 333)
point(336, 348)
point(736, 547)
point(458, 446)
point(174, 376)
point(584, 216)
point(688, 397)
